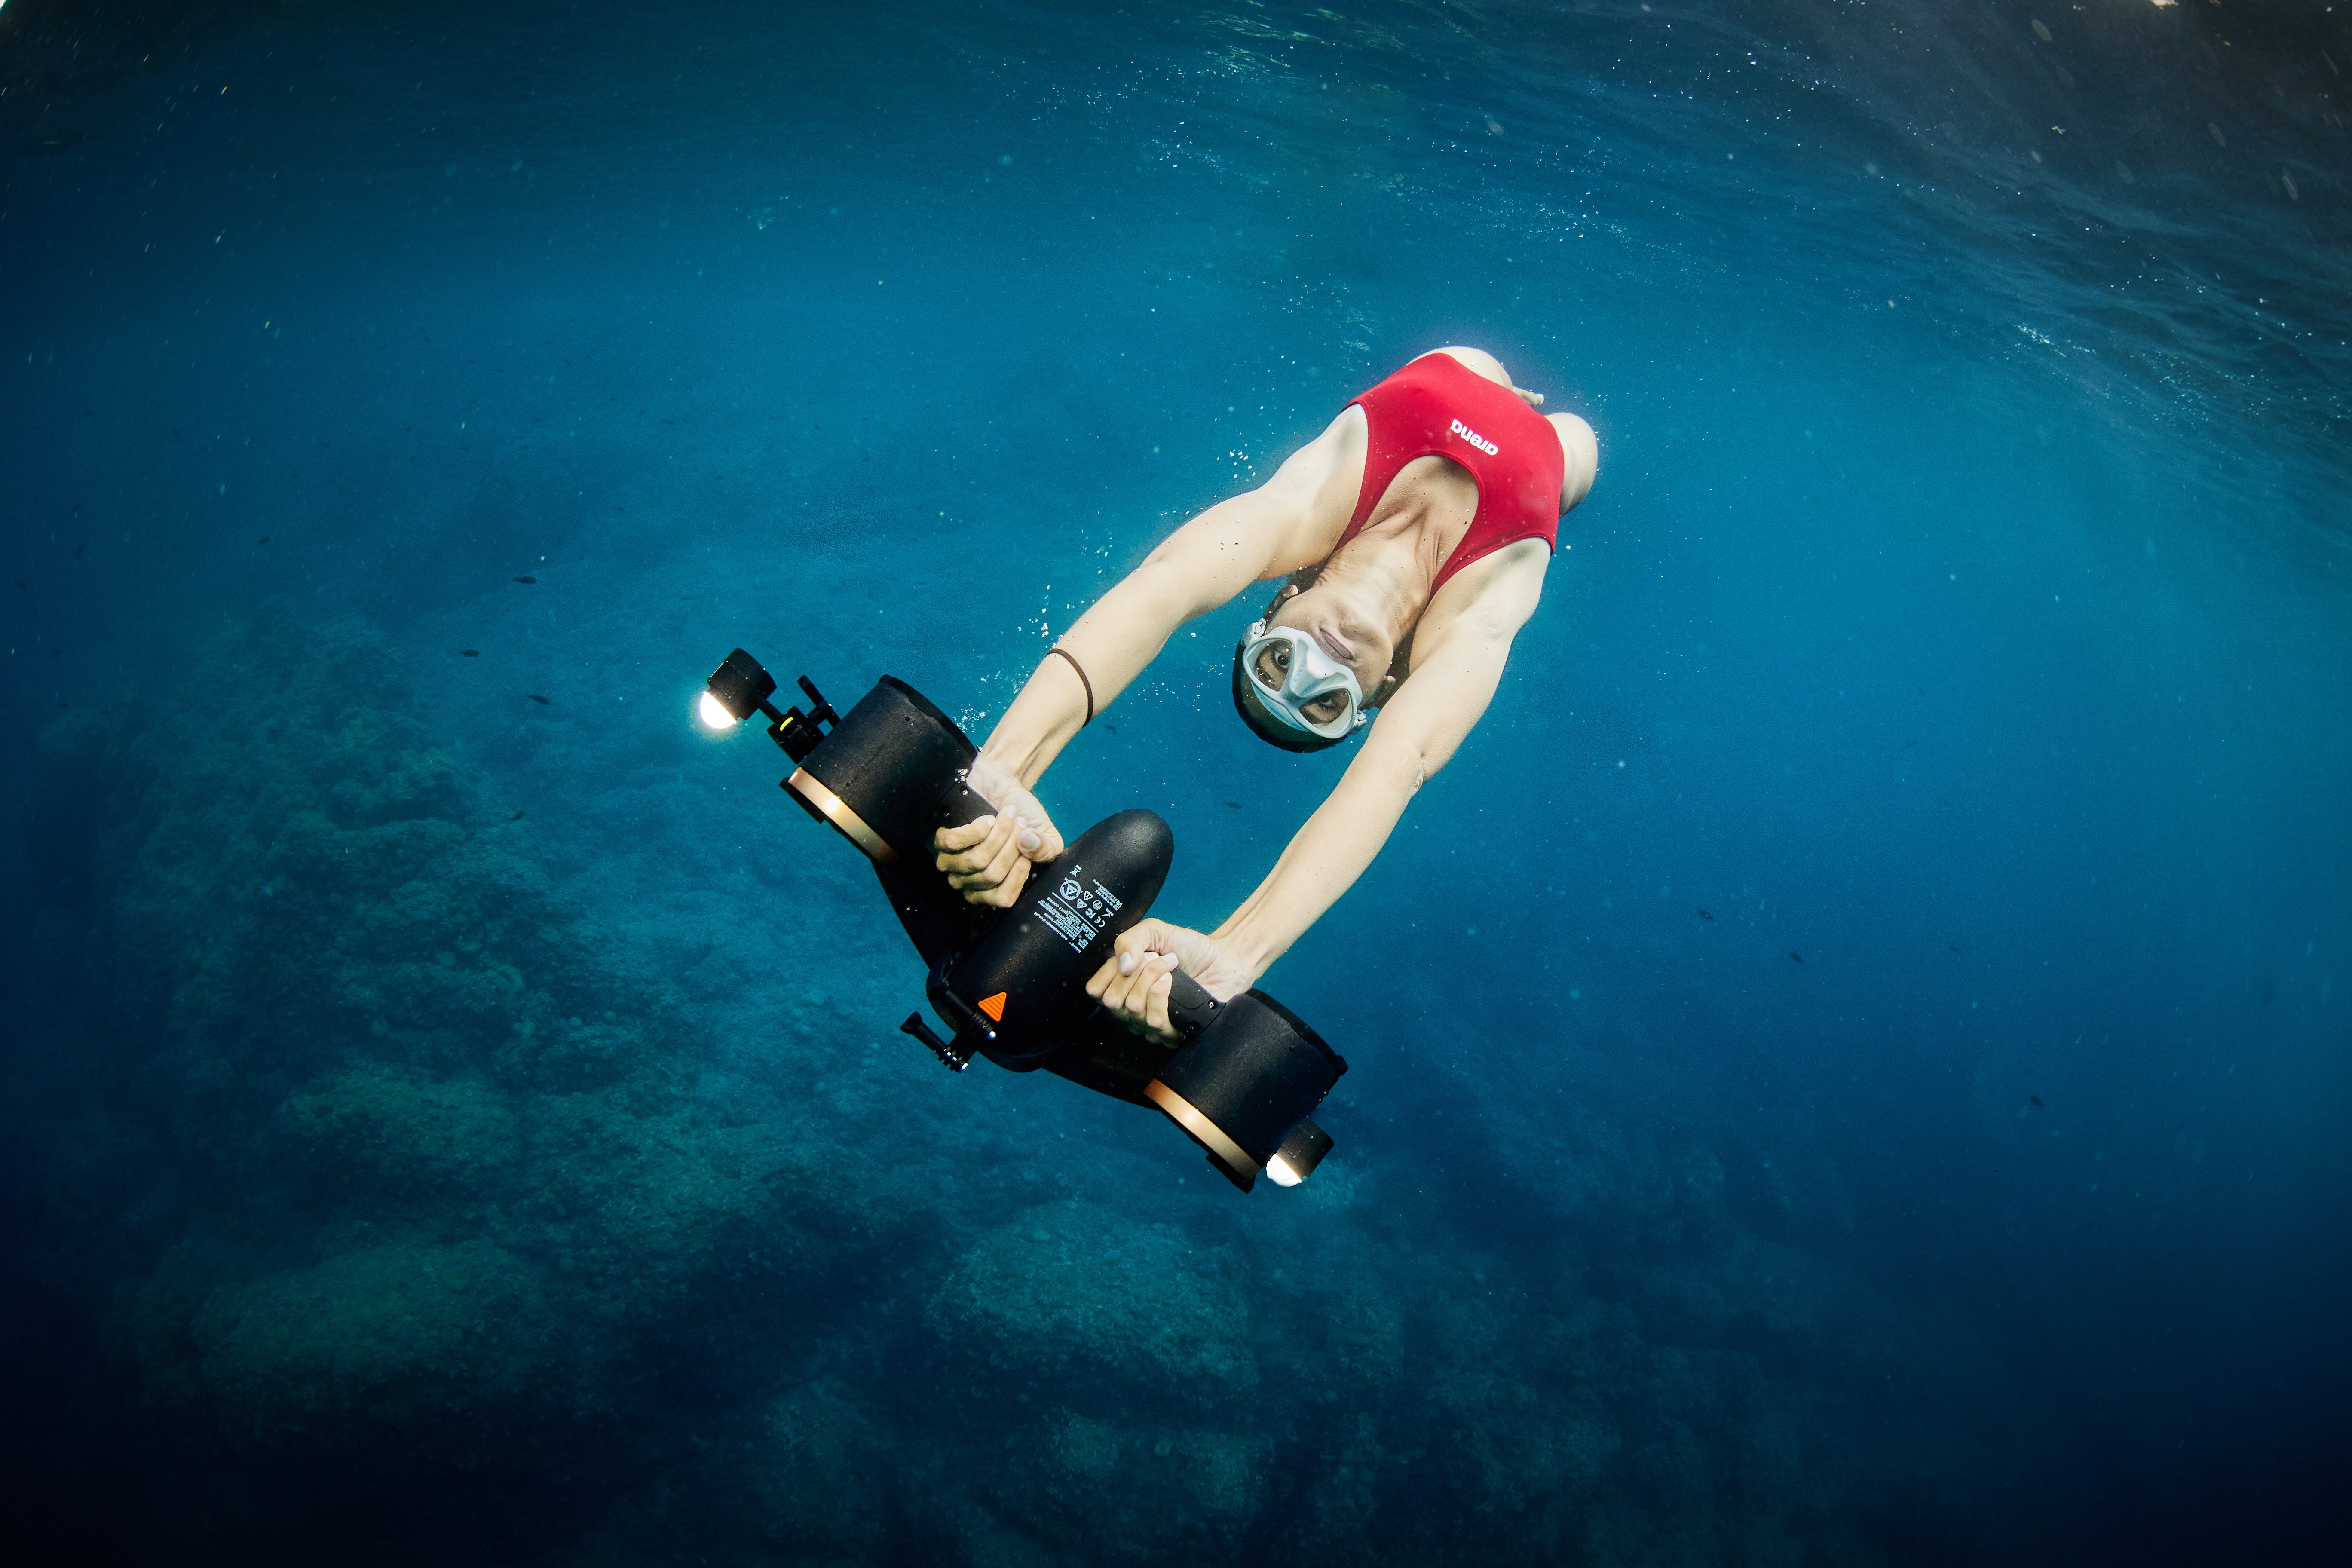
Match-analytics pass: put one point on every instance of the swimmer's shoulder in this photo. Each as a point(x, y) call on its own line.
point(1579, 451)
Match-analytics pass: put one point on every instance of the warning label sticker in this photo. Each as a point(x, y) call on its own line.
point(1078, 911)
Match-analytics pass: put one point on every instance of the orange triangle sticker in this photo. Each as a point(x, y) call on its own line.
point(994, 1008)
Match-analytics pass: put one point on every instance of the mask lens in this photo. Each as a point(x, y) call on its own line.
point(1323, 709)
point(1272, 665)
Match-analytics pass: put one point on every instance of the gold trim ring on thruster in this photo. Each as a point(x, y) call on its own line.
point(1204, 1131)
point(806, 786)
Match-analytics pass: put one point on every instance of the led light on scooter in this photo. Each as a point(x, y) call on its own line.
point(1299, 1154)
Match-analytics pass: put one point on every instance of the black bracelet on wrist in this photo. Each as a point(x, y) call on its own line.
point(1082, 681)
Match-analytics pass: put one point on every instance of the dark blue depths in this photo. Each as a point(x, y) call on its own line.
point(1850, 1061)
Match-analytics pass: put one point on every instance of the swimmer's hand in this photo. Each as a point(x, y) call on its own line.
point(988, 859)
point(1133, 983)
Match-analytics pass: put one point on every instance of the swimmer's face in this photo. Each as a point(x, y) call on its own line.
point(1271, 668)
point(1333, 615)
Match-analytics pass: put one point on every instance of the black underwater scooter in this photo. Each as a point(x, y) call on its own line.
point(1011, 984)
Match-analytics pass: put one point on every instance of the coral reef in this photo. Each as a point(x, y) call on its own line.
point(390, 1335)
point(404, 1189)
point(1076, 1294)
point(413, 1150)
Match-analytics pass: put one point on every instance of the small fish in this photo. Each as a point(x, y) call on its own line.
point(1908, 744)
point(469, 653)
point(1798, 956)
point(515, 818)
point(263, 540)
point(1706, 917)
point(1953, 949)
point(175, 435)
point(79, 548)
point(526, 579)
point(535, 697)
point(1234, 803)
point(2037, 1099)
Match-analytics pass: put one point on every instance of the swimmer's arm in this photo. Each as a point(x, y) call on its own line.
point(1416, 734)
point(1260, 534)
point(1284, 524)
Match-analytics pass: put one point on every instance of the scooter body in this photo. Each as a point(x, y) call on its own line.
point(1011, 984)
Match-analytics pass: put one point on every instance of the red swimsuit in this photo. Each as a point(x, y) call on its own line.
point(1438, 405)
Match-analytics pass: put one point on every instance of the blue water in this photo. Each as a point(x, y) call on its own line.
point(447, 1125)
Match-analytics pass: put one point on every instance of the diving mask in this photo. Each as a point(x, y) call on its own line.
point(1299, 684)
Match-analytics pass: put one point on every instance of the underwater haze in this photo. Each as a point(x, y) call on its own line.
point(1851, 1063)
